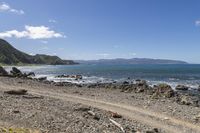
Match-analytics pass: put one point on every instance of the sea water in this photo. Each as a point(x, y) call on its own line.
point(173, 74)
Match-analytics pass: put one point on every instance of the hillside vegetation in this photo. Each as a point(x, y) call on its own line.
point(11, 56)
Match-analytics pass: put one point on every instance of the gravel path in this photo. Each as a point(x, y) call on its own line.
point(58, 108)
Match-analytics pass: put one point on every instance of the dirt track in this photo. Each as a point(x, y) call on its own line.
point(148, 117)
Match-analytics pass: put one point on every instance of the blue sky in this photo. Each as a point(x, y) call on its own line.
point(94, 29)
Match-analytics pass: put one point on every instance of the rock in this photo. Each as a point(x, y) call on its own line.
point(16, 72)
point(95, 116)
point(155, 130)
point(79, 85)
point(16, 111)
point(188, 100)
point(182, 87)
point(197, 117)
point(83, 109)
point(16, 92)
point(76, 77)
point(30, 74)
point(198, 88)
point(141, 86)
point(115, 115)
point(3, 72)
point(79, 77)
point(42, 78)
point(163, 90)
point(141, 82)
point(126, 88)
point(125, 82)
point(138, 80)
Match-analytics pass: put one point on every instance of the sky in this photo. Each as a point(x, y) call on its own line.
point(96, 29)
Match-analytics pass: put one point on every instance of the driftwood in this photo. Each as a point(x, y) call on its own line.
point(16, 92)
point(118, 125)
point(91, 113)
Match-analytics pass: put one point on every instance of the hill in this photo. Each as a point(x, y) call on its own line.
point(11, 56)
point(132, 61)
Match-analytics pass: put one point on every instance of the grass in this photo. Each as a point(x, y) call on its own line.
point(20, 64)
point(163, 85)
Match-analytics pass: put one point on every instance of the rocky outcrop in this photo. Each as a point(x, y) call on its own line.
point(31, 74)
point(15, 72)
point(76, 77)
point(3, 72)
point(182, 87)
point(186, 99)
point(163, 90)
point(42, 78)
point(141, 86)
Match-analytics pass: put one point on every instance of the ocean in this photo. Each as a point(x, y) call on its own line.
point(187, 74)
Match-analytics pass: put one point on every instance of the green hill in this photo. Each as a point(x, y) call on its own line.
point(11, 56)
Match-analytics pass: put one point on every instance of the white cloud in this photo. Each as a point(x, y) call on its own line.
point(32, 32)
point(197, 22)
point(45, 42)
point(132, 54)
point(52, 21)
point(4, 7)
point(31, 54)
point(103, 55)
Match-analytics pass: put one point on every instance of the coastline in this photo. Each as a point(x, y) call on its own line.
point(108, 93)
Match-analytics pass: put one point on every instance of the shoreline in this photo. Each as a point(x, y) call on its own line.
point(138, 107)
point(135, 99)
point(192, 82)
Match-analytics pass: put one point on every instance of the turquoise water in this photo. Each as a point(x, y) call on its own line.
point(172, 74)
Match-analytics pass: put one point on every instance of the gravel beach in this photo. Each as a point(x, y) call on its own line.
point(50, 108)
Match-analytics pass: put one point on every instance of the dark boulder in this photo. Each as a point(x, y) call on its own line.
point(30, 74)
point(198, 88)
point(3, 72)
point(16, 72)
point(125, 82)
point(42, 78)
point(182, 87)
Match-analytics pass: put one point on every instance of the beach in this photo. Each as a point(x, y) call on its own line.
point(99, 66)
point(57, 107)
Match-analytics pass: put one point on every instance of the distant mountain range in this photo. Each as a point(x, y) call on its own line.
point(11, 56)
point(131, 61)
